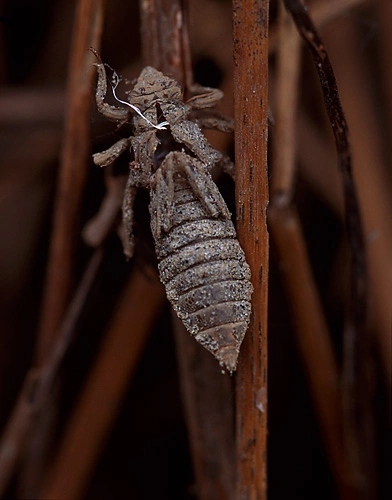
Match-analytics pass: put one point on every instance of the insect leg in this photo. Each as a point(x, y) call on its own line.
point(113, 113)
point(214, 122)
point(107, 157)
point(162, 197)
point(190, 134)
point(202, 184)
point(128, 240)
point(206, 97)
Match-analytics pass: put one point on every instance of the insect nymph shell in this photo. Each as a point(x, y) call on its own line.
point(153, 87)
point(201, 262)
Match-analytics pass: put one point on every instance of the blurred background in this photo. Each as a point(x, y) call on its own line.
point(131, 438)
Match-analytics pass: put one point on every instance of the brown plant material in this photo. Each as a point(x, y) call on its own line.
point(74, 164)
point(250, 113)
point(384, 10)
point(73, 170)
point(212, 40)
point(40, 380)
point(13, 439)
point(322, 13)
point(165, 44)
point(357, 347)
point(372, 176)
point(99, 227)
point(374, 185)
point(208, 405)
point(313, 337)
point(340, 130)
point(285, 110)
point(211, 438)
point(108, 380)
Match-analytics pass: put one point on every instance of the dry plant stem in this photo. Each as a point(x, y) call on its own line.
point(313, 338)
point(74, 164)
point(91, 422)
point(339, 127)
point(206, 394)
point(373, 178)
point(162, 34)
point(322, 13)
point(312, 333)
point(285, 110)
point(384, 8)
point(99, 227)
point(14, 435)
point(208, 403)
point(385, 14)
point(356, 342)
point(374, 185)
point(250, 113)
point(73, 170)
point(40, 380)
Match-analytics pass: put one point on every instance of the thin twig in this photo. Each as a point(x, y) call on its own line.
point(313, 339)
point(74, 166)
point(40, 380)
point(356, 337)
point(208, 404)
point(206, 394)
point(311, 328)
point(374, 187)
point(250, 113)
point(285, 110)
point(162, 24)
point(99, 227)
point(372, 176)
point(90, 424)
point(384, 11)
point(73, 170)
point(385, 14)
point(322, 13)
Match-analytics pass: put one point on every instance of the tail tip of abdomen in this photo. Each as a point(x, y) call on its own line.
point(228, 357)
point(224, 343)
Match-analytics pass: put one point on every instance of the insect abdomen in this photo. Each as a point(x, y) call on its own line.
point(206, 277)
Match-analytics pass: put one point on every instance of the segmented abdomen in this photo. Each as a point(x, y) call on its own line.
point(206, 277)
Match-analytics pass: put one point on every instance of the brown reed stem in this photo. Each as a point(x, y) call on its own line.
point(40, 380)
point(74, 164)
point(285, 110)
point(208, 404)
point(206, 394)
point(250, 34)
point(108, 380)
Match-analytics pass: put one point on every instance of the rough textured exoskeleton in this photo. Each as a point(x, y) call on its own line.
point(201, 263)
